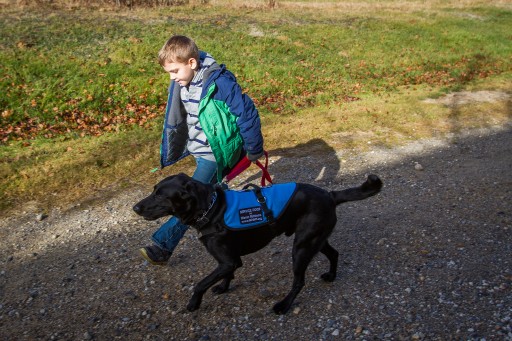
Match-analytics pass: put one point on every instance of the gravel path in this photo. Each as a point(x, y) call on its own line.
point(429, 258)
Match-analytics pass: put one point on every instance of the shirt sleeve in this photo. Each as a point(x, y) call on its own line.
point(242, 106)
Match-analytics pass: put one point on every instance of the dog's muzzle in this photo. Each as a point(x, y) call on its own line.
point(140, 211)
point(137, 209)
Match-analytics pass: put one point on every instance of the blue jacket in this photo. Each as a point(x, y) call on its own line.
point(228, 117)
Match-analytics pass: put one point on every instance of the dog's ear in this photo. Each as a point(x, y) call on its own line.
point(190, 187)
point(186, 194)
point(185, 197)
point(184, 202)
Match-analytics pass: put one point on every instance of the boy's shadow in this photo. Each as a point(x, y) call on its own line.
point(312, 162)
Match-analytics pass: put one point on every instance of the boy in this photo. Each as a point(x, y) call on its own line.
point(207, 116)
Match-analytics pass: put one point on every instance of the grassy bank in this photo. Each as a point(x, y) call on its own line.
point(82, 95)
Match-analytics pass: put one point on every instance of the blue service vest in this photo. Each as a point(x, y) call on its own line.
point(244, 211)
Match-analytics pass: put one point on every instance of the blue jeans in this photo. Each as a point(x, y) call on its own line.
point(170, 233)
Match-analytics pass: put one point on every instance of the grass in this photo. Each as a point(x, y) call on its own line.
point(82, 95)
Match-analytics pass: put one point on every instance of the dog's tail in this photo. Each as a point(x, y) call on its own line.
point(369, 188)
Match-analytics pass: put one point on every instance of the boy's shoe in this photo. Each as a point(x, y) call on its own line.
point(155, 255)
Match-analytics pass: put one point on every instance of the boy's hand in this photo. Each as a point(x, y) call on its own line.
point(254, 157)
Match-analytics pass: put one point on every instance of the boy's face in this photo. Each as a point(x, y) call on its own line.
point(182, 73)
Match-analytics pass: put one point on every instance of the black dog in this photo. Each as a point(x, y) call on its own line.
point(311, 215)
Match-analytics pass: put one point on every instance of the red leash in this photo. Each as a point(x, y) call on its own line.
point(244, 164)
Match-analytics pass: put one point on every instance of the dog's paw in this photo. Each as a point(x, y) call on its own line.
point(193, 305)
point(328, 277)
point(281, 308)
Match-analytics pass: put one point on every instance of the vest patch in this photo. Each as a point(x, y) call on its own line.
point(244, 211)
point(250, 215)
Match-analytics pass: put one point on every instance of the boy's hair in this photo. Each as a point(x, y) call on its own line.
point(178, 49)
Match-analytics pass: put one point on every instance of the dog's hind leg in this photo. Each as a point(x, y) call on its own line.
point(332, 255)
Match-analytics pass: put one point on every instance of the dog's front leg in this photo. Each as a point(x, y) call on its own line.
point(223, 271)
point(224, 286)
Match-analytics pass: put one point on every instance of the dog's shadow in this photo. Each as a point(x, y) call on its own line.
point(301, 164)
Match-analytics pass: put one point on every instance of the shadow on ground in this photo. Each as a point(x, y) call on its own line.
point(314, 161)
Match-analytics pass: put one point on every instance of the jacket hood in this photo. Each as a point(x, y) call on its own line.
point(211, 65)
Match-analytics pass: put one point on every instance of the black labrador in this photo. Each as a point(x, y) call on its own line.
point(311, 215)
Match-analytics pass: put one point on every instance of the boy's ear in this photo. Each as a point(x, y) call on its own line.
point(193, 63)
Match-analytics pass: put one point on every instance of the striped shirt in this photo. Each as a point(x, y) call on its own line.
point(197, 143)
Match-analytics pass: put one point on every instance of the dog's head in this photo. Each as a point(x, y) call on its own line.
point(177, 195)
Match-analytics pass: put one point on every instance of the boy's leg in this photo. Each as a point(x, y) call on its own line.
point(206, 171)
point(167, 237)
point(165, 240)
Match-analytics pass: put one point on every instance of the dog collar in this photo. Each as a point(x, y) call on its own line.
point(201, 221)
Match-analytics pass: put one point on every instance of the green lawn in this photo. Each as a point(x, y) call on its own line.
point(82, 95)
